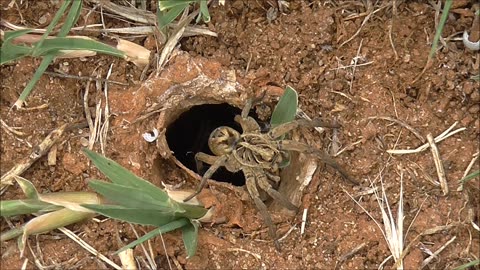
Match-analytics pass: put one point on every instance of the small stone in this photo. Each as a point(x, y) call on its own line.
point(474, 109)
point(468, 87)
point(475, 96)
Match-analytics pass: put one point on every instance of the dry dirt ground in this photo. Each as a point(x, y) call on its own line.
point(347, 63)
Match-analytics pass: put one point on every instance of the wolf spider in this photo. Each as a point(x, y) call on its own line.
point(259, 156)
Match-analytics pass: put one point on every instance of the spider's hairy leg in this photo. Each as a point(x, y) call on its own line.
point(300, 147)
point(287, 127)
point(250, 103)
point(201, 158)
point(263, 184)
point(253, 191)
point(248, 124)
point(220, 161)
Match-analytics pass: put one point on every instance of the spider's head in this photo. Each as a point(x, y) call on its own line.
point(223, 140)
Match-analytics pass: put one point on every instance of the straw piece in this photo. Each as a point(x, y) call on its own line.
point(438, 164)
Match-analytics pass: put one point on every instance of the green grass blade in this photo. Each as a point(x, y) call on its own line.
point(190, 238)
point(467, 265)
point(470, 176)
point(21, 207)
point(119, 175)
point(169, 4)
point(179, 223)
point(38, 73)
point(133, 215)
point(443, 19)
point(132, 197)
point(72, 18)
point(286, 108)
point(165, 18)
point(55, 44)
point(54, 21)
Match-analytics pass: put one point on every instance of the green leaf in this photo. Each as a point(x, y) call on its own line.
point(163, 229)
point(131, 197)
point(9, 51)
point(190, 238)
point(286, 108)
point(204, 11)
point(21, 207)
point(192, 211)
point(27, 187)
point(470, 176)
point(133, 215)
point(121, 176)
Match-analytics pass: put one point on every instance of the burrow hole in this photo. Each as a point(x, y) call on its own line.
point(189, 134)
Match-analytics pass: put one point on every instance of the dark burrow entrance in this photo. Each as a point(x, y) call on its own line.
point(189, 134)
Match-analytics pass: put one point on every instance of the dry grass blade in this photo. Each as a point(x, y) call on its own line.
point(425, 146)
point(392, 230)
point(126, 257)
point(37, 152)
point(89, 248)
point(435, 254)
point(173, 40)
point(147, 17)
point(401, 123)
point(438, 164)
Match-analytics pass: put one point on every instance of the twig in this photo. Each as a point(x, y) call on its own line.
point(355, 60)
point(401, 123)
point(302, 114)
point(349, 255)
point(363, 23)
point(147, 255)
point(88, 248)
point(390, 26)
point(257, 256)
point(106, 118)
point(349, 66)
point(425, 146)
point(429, 259)
point(29, 109)
point(83, 78)
point(287, 233)
point(438, 164)
point(38, 151)
point(88, 115)
point(11, 130)
point(430, 231)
